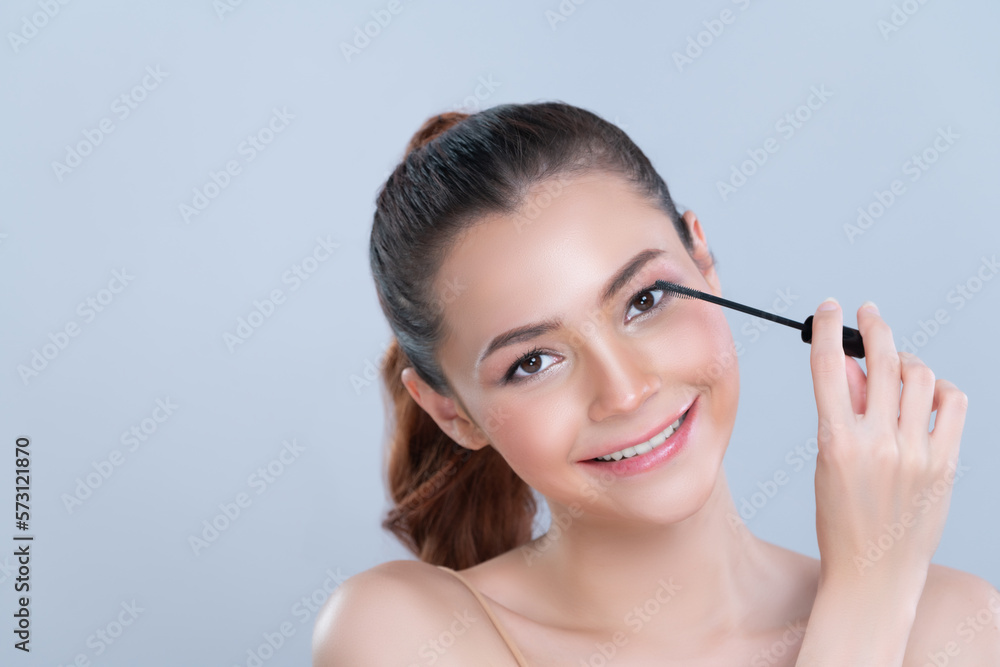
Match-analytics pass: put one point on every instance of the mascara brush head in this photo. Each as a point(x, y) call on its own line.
point(679, 290)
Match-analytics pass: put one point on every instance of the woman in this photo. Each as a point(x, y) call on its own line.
point(513, 251)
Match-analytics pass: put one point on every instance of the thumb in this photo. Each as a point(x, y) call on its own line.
point(857, 383)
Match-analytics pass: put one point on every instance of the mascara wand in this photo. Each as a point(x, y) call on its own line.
point(853, 345)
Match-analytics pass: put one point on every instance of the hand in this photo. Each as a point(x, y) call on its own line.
point(883, 482)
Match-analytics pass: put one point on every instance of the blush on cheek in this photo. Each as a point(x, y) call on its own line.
point(697, 354)
point(538, 435)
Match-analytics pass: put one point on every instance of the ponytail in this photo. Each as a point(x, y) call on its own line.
point(454, 506)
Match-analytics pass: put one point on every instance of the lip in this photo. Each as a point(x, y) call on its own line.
point(659, 429)
point(655, 458)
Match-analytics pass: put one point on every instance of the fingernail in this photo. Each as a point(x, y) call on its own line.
point(829, 304)
point(870, 305)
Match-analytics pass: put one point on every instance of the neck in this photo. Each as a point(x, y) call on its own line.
point(700, 577)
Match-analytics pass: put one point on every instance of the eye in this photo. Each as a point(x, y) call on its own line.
point(535, 359)
point(644, 302)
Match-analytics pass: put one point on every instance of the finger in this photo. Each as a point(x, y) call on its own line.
point(826, 359)
point(857, 383)
point(951, 405)
point(917, 399)
point(883, 364)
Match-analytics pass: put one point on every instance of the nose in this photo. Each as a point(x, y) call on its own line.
point(622, 380)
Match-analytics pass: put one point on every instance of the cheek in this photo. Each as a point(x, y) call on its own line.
point(712, 368)
point(538, 437)
point(696, 348)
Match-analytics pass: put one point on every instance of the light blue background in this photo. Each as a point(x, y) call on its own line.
point(162, 336)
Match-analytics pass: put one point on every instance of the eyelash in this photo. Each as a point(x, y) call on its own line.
point(510, 378)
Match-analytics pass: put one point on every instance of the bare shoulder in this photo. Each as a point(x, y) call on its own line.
point(363, 619)
point(957, 621)
point(400, 612)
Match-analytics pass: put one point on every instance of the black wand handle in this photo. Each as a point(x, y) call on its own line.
point(853, 345)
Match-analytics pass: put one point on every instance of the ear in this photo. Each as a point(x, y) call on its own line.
point(702, 256)
point(449, 415)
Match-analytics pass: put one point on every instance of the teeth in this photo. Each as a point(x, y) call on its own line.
point(647, 446)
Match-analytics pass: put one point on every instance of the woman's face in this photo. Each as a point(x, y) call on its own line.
point(607, 373)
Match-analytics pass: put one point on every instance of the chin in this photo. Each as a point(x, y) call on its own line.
point(675, 497)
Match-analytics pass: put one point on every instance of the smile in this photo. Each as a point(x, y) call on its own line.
point(647, 446)
point(653, 453)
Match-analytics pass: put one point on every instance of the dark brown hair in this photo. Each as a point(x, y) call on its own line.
point(455, 506)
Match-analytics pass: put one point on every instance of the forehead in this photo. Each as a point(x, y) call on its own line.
point(551, 259)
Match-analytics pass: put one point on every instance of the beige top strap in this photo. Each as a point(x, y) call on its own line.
point(493, 619)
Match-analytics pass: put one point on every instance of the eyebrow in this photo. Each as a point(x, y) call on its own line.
point(611, 288)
